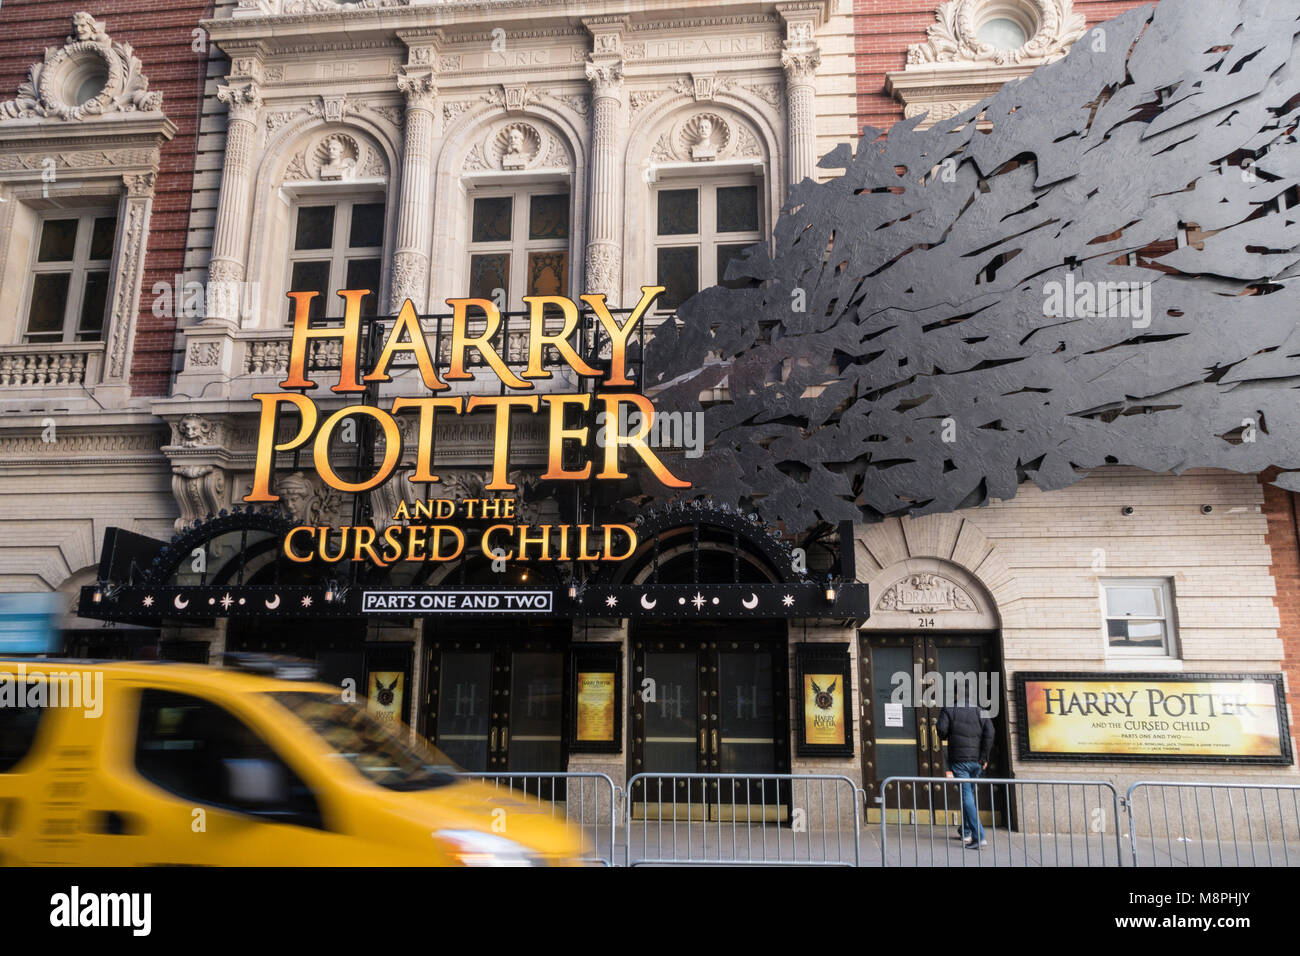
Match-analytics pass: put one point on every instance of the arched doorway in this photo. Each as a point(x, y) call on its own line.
point(708, 696)
point(933, 639)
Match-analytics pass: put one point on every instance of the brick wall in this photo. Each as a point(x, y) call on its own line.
point(886, 28)
point(1282, 512)
point(161, 33)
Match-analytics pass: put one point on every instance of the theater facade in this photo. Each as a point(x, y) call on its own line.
point(498, 151)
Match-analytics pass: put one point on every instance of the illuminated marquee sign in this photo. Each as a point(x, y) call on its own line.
point(446, 541)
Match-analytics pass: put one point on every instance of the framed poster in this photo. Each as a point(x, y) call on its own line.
point(1164, 717)
point(595, 698)
point(822, 686)
point(388, 677)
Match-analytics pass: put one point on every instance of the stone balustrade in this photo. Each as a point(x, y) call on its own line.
point(59, 365)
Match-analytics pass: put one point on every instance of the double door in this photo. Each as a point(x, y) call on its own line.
point(906, 680)
point(497, 706)
point(710, 707)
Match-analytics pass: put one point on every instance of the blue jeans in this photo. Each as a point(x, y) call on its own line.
point(970, 818)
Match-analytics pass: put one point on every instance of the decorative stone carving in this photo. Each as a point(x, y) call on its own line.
point(606, 78)
point(204, 354)
point(200, 491)
point(193, 431)
point(420, 90)
point(89, 75)
point(705, 135)
point(130, 271)
point(337, 156)
point(307, 502)
point(954, 36)
point(242, 102)
point(334, 6)
point(516, 145)
point(926, 593)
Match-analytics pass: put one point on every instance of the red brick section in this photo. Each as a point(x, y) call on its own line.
point(884, 29)
point(1282, 509)
point(161, 33)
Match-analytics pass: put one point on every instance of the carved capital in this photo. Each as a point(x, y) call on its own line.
point(420, 90)
point(605, 76)
point(800, 65)
point(140, 185)
point(242, 102)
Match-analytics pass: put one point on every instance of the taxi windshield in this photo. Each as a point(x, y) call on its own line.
point(370, 746)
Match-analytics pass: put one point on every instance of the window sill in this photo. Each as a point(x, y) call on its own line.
point(1139, 663)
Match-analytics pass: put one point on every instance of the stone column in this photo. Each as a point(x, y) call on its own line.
point(133, 231)
point(415, 204)
point(226, 269)
point(800, 64)
point(604, 234)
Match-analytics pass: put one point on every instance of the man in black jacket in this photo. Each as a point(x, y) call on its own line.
point(970, 741)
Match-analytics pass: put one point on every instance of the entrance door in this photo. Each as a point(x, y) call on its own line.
point(498, 705)
point(904, 741)
point(713, 707)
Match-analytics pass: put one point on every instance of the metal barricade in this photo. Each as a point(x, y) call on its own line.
point(586, 801)
point(1025, 822)
point(742, 820)
point(1212, 824)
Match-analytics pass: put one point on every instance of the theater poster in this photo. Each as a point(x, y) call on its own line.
point(823, 682)
point(1203, 718)
point(387, 694)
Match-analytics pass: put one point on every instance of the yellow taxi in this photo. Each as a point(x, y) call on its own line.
point(134, 764)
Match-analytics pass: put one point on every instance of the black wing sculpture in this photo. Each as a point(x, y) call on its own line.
point(1092, 266)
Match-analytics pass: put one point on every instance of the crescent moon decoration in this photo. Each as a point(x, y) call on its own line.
point(647, 604)
point(750, 602)
point(179, 604)
point(272, 604)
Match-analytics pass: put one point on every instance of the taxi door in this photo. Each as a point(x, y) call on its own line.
point(189, 781)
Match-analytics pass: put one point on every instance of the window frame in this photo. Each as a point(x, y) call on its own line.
point(519, 245)
point(339, 253)
point(313, 818)
point(707, 237)
point(77, 269)
point(1165, 591)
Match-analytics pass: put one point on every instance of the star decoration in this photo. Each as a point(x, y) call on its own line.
point(698, 600)
point(788, 600)
point(148, 600)
point(306, 600)
point(226, 601)
point(611, 601)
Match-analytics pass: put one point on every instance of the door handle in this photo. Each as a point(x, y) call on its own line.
point(505, 739)
point(934, 733)
point(492, 741)
point(703, 748)
point(715, 743)
point(925, 743)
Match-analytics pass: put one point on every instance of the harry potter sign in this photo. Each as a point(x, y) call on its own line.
point(1237, 718)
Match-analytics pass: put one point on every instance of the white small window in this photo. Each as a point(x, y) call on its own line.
point(67, 296)
point(336, 245)
point(1139, 617)
point(698, 230)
